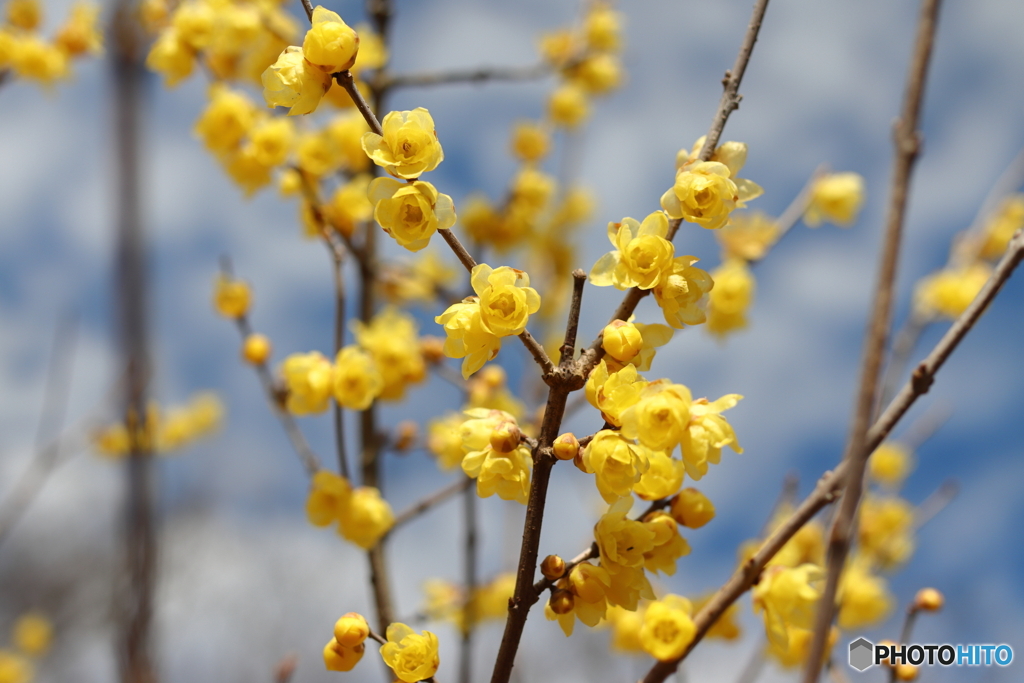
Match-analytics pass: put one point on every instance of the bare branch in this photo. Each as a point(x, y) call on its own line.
point(475, 76)
point(430, 501)
point(347, 81)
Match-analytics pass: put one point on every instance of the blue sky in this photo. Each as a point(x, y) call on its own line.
point(246, 579)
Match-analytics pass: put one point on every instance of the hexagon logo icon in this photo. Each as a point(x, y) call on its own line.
point(861, 654)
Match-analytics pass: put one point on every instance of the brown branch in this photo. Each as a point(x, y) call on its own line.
point(731, 83)
point(473, 76)
point(347, 81)
point(935, 503)
point(924, 427)
point(831, 483)
point(467, 260)
point(469, 604)
point(339, 341)
point(579, 278)
point(308, 6)
point(430, 501)
point(907, 146)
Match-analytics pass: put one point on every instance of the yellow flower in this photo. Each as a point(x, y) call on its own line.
point(705, 194)
point(726, 626)
point(614, 392)
point(642, 256)
point(530, 141)
point(622, 541)
point(663, 478)
point(661, 416)
point(599, 74)
point(346, 132)
point(886, 530)
point(366, 517)
point(411, 656)
point(557, 47)
point(588, 586)
point(373, 54)
point(328, 498)
point(680, 292)
point(669, 546)
point(467, 337)
point(629, 585)
point(731, 297)
point(272, 139)
point(621, 340)
point(171, 57)
point(667, 628)
point(38, 60)
point(506, 298)
point(486, 225)
point(409, 145)
point(444, 440)
point(256, 349)
point(24, 14)
point(317, 154)
point(890, 464)
point(349, 205)
point(231, 298)
point(797, 648)
point(531, 190)
point(330, 45)
point(195, 23)
point(617, 464)
point(246, 169)
point(392, 340)
point(748, 236)
point(732, 154)
point(357, 381)
point(410, 212)
point(33, 634)
point(1006, 221)
point(226, 120)
point(338, 657)
point(625, 629)
point(14, 668)
point(837, 198)
point(293, 82)
point(692, 509)
point(707, 433)
point(505, 472)
point(568, 106)
point(787, 598)
point(307, 377)
point(864, 599)
point(950, 291)
point(80, 34)
point(602, 28)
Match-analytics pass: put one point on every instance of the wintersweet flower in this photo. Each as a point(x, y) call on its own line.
point(626, 629)
point(24, 14)
point(727, 626)
point(38, 60)
point(886, 530)
point(499, 465)
point(598, 74)
point(602, 28)
point(622, 340)
point(351, 629)
point(890, 464)
point(731, 297)
point(246, 169)
point(568, 106)
point(530, 141)
point(196, 23)
point(506, 298)
point(837, 198)
point(307, 377)
point(293, 82)
point(617, 464)
point(256, 349)
point(467, 337)
point(331, 45)
point(357, 381)
point(373, 54)
point(80, 33)
point(366, 517)
point(864, 598)
point(669, 546)
point(692, 509)
point(346, 134)
point(226, 120)
point(707, 433)
point(338, 657)
point(662, 479)
point(444, 440)
point(272, 140)
point(171, 57)
point(667, 628)
point(612, 392)
point(409, 145)
point(680, 292)
point(15, 668)
point(642, 256)
point(349, 205)
point(732, 154)
point(587, 585)
point(328, 498)
point(231, 298)
point(413, 657)
point(748, 236)
point(705, 193)
point(629, 585)
point(622, 541)
point(661, 416)
point(392, 340)
point(1000, 228)
point(33, 634)
point(948, 293)
point(410, 212)
point(787, 597)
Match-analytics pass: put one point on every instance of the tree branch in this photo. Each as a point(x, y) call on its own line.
point(430, 501)
point(907, 146)
point(477, 75)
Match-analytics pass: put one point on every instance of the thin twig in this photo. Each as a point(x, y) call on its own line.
point(924, 427)
point(907, 146)
point(469, 498)
point(430, 501)
point(906, 340)
point(378, 637)
point(347, 81)
point(339, 341)
point(308, 6)
point(908, 628)
point(935, 503)
point(796, 209)
point(831, 483)
point(478, 75)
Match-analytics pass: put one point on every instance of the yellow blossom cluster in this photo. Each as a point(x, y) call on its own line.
point(411, 656)
point(422, 281)
point(162, 431)
point(33, 635)
point(361, 514)
point(28, 55)
point(495, 454)
point(835, 197)
point(347, 646)
point(446, 601)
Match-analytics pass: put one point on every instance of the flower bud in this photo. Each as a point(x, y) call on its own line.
point(622, 340)
point(432, 349)
point(506, 437)
point(351, 629)
point(553, 567)
point(929, 600)
point(337, 657)
point(692, 509)
point(330, 44)
point(561, 602)
point(256, 349)
point(405, 435)
point(566, 446)
point(231, 297)
point(578, 461)
point(906, 672)
point(889, 644)
point(493, 376)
